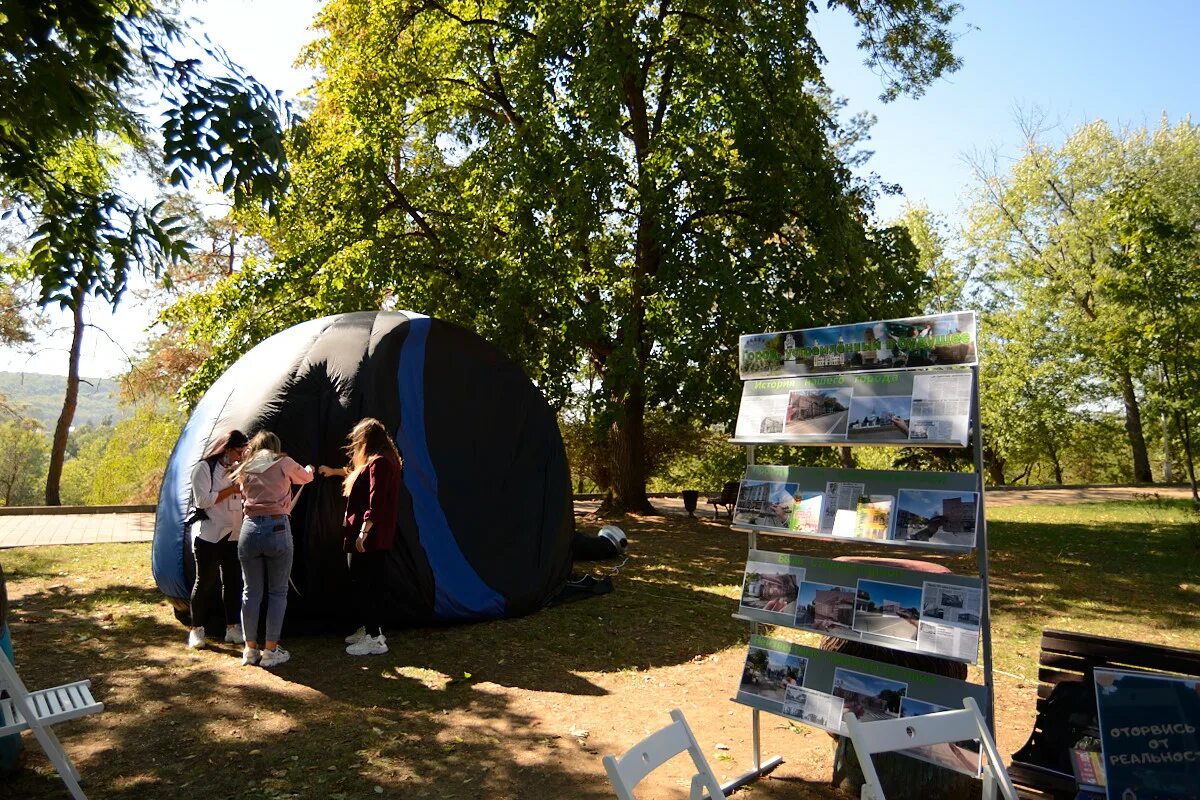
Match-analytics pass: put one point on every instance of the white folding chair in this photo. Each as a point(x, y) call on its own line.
point(657, 749)
point(39, 711)
point(958, 725)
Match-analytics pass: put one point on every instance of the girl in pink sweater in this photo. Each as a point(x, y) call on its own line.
point(265, 547)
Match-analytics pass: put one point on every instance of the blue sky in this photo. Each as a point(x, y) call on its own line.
point(1076, 61)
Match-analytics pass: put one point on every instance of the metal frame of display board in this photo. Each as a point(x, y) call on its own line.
point(985, 616)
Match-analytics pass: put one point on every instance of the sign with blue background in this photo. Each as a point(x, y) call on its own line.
point(1148, 731)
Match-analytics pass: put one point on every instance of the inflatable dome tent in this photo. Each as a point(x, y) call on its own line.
point(485, 520)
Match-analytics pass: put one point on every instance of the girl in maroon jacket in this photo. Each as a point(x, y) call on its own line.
point(372, 490)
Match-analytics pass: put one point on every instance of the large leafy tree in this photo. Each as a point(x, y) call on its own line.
point(1098, 238)
point(71, 83)
point(622, 188)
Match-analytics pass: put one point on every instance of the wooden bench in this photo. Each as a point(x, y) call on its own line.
point(1040, 769)
point(727, 498)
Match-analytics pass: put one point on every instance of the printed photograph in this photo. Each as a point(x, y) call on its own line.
point(879, 418)
point(874, 516)
point(806, 515)
point(813, 707)
point(765, 504)
point(817, 412)
point(772, 588)
point(868, 697)
point(939, 517)
point(887, 609)
point(823, 607)
point(768, 673)
point(958, 756)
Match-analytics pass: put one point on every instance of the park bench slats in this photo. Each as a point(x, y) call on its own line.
point(1117, 652)
point(1067, 656)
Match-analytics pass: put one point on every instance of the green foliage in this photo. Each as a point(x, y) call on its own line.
point(69, 80)
point(620, 185)
point(23, 458)
point(120, 464)
point(1088, 254)
point(85, 449)
point(936, 259)
point(130, 467)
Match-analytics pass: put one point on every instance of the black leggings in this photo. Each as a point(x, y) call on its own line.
point(217, 562)
point(367, 577)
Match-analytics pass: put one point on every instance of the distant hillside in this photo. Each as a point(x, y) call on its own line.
point(40, 396)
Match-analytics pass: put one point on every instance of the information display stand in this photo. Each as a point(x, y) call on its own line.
point(911, 382)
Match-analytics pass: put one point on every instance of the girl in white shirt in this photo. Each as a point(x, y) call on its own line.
point(215, 538)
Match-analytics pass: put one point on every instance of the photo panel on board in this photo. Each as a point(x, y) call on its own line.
point(770, 589)
point(936, 517)
point(825, 607)
point(934, 340)
point(887, 609)
point(767, 673)
point(868, 697)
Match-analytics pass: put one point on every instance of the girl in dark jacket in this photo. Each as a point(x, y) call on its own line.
point(372, 490)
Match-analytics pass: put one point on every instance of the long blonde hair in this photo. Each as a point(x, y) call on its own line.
point(369, 440)
point(263, 441)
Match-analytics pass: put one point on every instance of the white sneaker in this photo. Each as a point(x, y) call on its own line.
point(369, 646)
point(233, 634)
point(357, 636)
point(273, 658)
point(196, 638)
point(251, 656)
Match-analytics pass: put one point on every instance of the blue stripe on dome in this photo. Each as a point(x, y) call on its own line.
point(459, 592)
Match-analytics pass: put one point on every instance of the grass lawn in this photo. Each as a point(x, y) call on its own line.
point(526, 707)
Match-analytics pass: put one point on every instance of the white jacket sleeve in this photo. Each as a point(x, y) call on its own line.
point(203, 494)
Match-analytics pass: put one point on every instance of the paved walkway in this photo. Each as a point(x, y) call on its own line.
point(45, 529)
point(40, 529)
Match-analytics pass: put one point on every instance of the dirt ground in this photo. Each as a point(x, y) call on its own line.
point(515, 708)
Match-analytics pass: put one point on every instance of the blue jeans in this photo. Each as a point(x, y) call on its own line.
point(265, 550)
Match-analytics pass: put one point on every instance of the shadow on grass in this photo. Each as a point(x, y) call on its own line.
point(1118, 573)
point(436, 717)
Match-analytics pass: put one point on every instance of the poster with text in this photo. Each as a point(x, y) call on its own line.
point(929, 510)
point(1149, 734)
point(926, 408)
point(936, 340)
point(900, 609)
point(950, 620)
point(818, 687)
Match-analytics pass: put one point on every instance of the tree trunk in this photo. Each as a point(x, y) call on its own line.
point(58, 449)
point(994, 463)
point(627, 445)
point(1133, 426)
point(846, 455)
point(1168, 475)
point(1054, 460)
point(1185, 428)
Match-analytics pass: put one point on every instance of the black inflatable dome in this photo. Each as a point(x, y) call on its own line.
point(485, 519)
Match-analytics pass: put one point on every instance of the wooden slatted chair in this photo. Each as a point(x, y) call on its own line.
point(903, 733)
point(657, 749)
point(41, 710)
